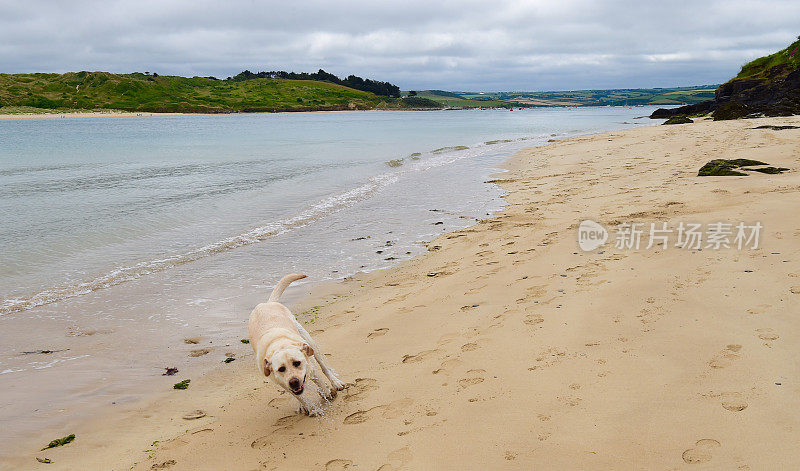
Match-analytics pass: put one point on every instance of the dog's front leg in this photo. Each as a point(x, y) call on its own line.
point(326, 370)
point(324, 390)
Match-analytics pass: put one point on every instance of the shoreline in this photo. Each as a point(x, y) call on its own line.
point(135, 114)
point(508, 315)
point(87, 114)
point(128, 114)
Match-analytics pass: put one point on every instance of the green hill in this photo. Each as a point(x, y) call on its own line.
point(159, 93)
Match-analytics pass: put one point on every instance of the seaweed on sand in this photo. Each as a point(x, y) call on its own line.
point(679, 120)
point(60, 441)
point(769, 170)
point(726, 167)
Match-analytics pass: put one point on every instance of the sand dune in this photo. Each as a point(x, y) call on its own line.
point(508, 347)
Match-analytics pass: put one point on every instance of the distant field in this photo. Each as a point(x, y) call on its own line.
point(151, 93)
point(618, 97)
point(448, 100)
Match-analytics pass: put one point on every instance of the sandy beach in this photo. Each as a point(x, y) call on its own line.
point(506, 346)
point(127, 114)
point(84, 114)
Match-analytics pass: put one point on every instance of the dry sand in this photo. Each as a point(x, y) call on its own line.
point(507, 347)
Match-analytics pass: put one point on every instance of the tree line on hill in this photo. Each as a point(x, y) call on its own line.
point(353, 81)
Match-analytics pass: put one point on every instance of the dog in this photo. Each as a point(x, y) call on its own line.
point(284, 349)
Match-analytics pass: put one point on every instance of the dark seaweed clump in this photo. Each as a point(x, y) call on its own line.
point(678, 120)
point(776, 128)
point(60, 441)
point(727, 167)
point(769, 170)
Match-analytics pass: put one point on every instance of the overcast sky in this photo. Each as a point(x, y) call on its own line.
point(453, 45)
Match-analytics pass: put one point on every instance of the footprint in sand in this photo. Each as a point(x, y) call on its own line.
point(760, 309)
point(288, 420)
point(419, 356)
point(723, 359)
point(377, 333)
point(194, 415)
point(262, 442)
point(467, 382)
point(359, 389)
point(702, 451)
point(473, 377)
point(550, 357)
point(338, 465)
point(397, 459)
point(164, 465)
point(387, 411)
point(571, 401)
point(533, 319)
point(447, 338)
point(767, 335)
point(468, 347)
point(734, 404)
point(447, 365)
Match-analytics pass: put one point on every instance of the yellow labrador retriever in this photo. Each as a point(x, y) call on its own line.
point(284, 349)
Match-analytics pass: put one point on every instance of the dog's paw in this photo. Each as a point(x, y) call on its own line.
point(338, 384)
point(329, 394)
point(312, 411)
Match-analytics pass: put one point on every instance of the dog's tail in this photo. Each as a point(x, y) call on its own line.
point(282, 285)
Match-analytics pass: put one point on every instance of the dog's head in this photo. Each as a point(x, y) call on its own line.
point(289, 367)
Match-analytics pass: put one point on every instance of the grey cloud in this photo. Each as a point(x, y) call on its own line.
point(467, 45)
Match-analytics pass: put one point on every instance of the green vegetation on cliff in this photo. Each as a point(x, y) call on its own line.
point(159, 93)
point(789, 57)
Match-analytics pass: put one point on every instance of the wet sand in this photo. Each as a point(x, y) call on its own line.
point(508, 347)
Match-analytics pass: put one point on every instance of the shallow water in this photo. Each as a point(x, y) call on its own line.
point(139, 231)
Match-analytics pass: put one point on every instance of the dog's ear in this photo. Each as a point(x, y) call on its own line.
point(307, 350)
point(267, 367)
